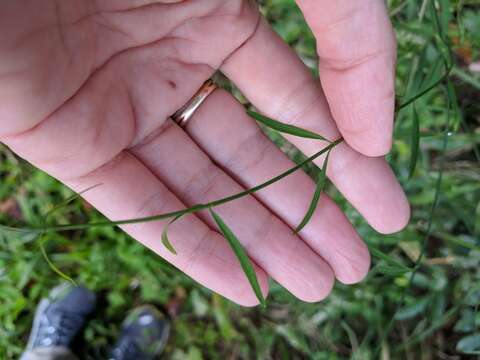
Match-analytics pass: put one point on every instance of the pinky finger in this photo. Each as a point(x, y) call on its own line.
point(202, 253)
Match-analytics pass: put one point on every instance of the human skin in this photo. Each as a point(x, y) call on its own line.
point(86, 93)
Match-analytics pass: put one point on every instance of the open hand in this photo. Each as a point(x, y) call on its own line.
point(87, 88)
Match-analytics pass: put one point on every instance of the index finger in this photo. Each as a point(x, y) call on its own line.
point(357, 50)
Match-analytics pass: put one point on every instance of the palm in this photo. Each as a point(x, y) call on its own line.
point(90, 89)
point(115, 62)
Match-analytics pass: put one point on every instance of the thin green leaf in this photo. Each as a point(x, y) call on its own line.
point(388, 259)
point(477, 221)
point(241, 256)
point(426, 90)
point(452, 96)
point(4, 229)
point(285, 128)
point(43, 240)
point(316, 196)
point(53, 267)
point(165, 241)
point(434, 72)
point(392, 270)
point(69, 200)
point(415, 141)
point(415, 74)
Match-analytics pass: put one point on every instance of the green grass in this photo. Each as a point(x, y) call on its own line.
point(391, 315)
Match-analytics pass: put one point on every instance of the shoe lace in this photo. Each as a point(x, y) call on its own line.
point(59, 329)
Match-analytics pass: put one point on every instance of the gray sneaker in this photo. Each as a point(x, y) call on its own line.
point(144, 335)
point(61, 316)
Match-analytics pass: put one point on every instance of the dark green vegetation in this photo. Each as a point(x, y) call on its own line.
point(391, 315)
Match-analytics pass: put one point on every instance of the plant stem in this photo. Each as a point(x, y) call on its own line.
point(192, 209)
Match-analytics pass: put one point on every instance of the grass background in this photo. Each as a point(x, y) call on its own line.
point(388, 316)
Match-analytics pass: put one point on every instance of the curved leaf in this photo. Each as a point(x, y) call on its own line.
point(415, 142)
point(285, 128)
point(241, 256)
point(165, 241)
point(316, 196)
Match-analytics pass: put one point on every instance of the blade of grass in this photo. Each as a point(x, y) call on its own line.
point(415, 77)
point(388, 259)
point(442, 29)
point(241, 256)
point(284, 128)
point(69, 200)
point(43, 240)
point(52, 266)
point(477, 222)
point(392, 270)
point(316, 196)
point(415, 142)
point(426, 90)
point(166, 242)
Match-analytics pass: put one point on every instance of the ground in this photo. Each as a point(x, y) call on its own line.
point(418, 302)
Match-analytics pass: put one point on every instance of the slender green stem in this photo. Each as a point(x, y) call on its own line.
point(192, 209)
point(426, 90)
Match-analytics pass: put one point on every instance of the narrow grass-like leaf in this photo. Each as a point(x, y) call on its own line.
point(452, 96)
point(285, 128)
point(426, 90)
point(69, 200)
point(477, 221)
point(165, 241)
point(435, 72)
point(416, 78)
point(322, 177)
point(43, 240)
point(241, 256)
point(388, 259)
point(392, 270)
point(52, 266)
point(414, 142)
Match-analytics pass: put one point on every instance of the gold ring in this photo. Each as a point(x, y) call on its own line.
point(185, 113)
